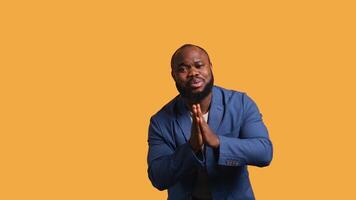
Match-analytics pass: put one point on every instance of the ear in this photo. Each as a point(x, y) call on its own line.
point(172, 74)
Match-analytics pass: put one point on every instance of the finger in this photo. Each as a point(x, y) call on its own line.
point(201, 126)
point(195, 110)
point(199, 111)
point(203, 132)
point(200, 114)
point(197, 119)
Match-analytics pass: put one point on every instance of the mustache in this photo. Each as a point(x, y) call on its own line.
point(195, 79)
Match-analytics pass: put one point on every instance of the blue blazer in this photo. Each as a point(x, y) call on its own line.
point(244, 140)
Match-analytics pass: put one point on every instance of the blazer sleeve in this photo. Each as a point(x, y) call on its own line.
point(253, 147)
point(166, 166)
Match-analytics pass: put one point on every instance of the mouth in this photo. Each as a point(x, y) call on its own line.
point(195, 83)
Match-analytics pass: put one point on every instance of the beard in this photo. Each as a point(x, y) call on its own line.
point(195, 97)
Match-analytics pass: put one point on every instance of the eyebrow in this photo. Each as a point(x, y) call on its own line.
point(195, 62)
point(180, 64)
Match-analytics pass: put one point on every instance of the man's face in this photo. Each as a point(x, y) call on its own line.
point(192, 74)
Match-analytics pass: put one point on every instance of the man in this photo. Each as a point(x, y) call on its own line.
point(201, 142)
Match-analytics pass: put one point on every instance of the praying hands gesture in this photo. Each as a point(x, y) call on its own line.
point(201, 133)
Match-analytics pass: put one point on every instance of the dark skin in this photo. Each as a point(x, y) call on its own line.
point(193, 70)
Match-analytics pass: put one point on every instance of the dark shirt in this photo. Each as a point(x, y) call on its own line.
point(201, 188)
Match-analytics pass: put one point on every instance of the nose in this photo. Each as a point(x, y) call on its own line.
point(192, 71)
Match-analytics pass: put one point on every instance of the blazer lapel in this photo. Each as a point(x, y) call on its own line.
point(183, 119)
point(216, 110)
point(216, 113)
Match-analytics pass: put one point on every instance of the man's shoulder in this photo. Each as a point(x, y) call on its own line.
point(168, 111)
point(227, 91)
point(228, 95)
point(233, 98)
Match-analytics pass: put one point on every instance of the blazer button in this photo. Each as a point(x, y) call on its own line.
point(232, 163)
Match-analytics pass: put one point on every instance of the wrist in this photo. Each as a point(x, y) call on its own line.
point(217, 143)
point(194, 147)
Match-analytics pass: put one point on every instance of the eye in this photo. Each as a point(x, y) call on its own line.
point(199, 65)
point(181, 69)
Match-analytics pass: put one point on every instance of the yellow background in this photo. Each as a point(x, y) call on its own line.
point(80, 79)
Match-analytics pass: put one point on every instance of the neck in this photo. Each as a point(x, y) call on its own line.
point(204, 103)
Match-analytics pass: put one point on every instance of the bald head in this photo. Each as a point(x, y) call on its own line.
point(179, 53)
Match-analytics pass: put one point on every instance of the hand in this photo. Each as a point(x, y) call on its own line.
point(209, 137)
point(196, 139)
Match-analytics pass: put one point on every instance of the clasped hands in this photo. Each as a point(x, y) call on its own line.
point(201, 133)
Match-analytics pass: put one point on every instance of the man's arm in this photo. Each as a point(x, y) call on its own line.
point(166, 166)
point(253, 147)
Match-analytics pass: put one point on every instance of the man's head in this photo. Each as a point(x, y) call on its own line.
point(192, 72)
